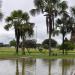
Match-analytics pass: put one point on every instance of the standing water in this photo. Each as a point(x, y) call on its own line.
point(28, 66)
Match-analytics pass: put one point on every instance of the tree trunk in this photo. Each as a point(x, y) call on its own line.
point(49, 43)
point(63, 44)
point(17, 35)
point(50, 31)
point(17, 45)
point(23, 52)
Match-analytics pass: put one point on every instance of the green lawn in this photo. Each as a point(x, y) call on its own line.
point(7, 52)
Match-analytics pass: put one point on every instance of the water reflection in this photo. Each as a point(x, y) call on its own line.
point(25, 63)
point(17, 67)
point(68, 66)
point(23, 67)
point(28, 66)
point(49, 67)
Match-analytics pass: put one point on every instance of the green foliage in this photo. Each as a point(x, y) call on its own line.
point(29, 44)
point(45, 43)
point(68, 45)
point(12, 43)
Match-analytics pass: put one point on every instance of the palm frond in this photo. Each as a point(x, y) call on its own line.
point(63, 5)
point(55, 32)
point(8, 19)
point(6, 27)
point(39, 4)
point(25, 16)
point(73, 11)
point(1, 16)
point(35, 12)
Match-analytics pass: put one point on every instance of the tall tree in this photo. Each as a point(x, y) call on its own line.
point(65, 26)
point(14, 20)
point(51, 8)
point(26, 29)
point(19, 21)
point(62, 21)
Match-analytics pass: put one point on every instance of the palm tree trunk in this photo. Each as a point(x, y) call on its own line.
point(63, 33)
point(17, 39)
point(17, 45)
point(63, 42)
point(23, 52)
point(49, 43)
point(50, 30)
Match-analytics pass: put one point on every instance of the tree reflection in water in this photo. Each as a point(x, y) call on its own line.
point(67, 66)
point(17, 67)
point(23, 67)
point(52, 67)
point(49, 67)
point(24, 64)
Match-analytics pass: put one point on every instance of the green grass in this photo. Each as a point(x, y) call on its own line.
point(11, 53)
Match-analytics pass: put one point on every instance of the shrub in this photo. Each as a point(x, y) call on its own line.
point(68, 45)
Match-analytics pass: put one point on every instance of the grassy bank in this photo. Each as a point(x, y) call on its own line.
point(10, 53)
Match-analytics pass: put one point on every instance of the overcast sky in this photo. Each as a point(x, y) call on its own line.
point(26, 5)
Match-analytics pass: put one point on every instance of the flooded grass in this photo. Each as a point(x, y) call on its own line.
point(11, 53)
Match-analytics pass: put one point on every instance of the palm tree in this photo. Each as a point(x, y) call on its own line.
point(21, 24)
point(65, 25)
point(14, 20)
point(50, 7)
point(26, 29)
point(62, 21)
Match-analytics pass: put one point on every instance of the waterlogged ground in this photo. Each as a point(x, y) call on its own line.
point(28, 66)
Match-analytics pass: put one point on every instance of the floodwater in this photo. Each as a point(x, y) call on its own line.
point(29, 66)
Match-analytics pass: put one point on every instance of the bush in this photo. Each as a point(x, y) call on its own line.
point(45, 43)
point(12, 43)
point(68, 45)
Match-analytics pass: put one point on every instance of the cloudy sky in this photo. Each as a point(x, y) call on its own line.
point(26, 5)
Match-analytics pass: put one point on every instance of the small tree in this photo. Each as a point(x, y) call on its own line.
point(12, 43)
point(45, 43)
point(30, 44)
point(68, 45)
